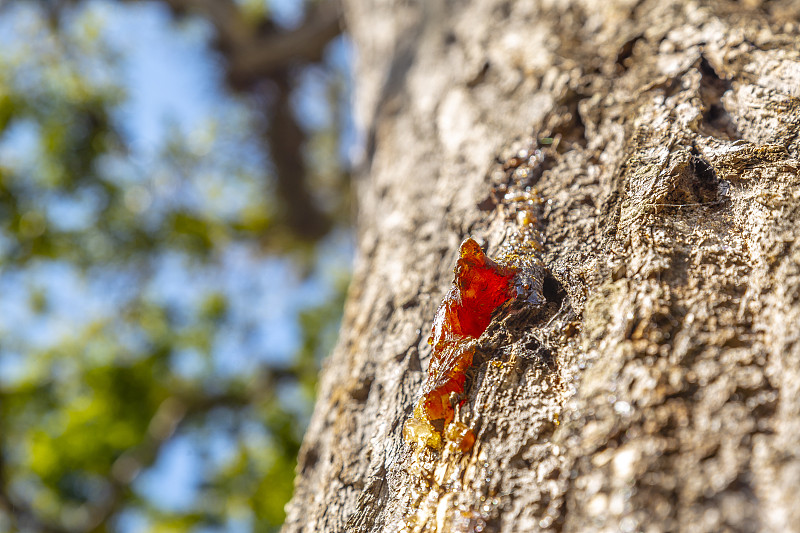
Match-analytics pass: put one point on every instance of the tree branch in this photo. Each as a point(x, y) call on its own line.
point(255, 53)
point(285, 140)
point(233, 30)
point(270, 53)
point(265, 52)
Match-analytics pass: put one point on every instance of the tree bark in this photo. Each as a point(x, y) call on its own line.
point(653, 146)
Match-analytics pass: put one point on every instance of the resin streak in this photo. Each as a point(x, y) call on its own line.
point(480, 286)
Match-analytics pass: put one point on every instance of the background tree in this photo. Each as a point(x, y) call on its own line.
point(164, 307)
point(653, 146)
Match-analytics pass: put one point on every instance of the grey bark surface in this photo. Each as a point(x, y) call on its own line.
point(653, 146)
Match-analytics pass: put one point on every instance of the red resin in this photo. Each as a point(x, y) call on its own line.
point(480, 287)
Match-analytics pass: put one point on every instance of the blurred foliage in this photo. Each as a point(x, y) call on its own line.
point(160, 329)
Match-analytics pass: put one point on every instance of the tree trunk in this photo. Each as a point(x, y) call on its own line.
point(653, 147)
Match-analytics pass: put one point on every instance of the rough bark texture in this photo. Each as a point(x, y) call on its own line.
point(658, 388)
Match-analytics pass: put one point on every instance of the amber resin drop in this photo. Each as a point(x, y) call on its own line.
point(480, 286)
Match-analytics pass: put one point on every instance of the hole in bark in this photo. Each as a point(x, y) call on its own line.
point(716, 119)
point(533, 344)
point(571, 130)
point(565, 128)
point(552, 290)
point(694, 182)
point(309, 458)
point(625, 53)
point(360, 392)
point(706, 184)
point(703, 171)
point(488, 204)
point(540, 353)
point(414, 364)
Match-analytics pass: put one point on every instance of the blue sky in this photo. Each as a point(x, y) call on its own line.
point(174, 84)
point(188, 94)
point(171, 77)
